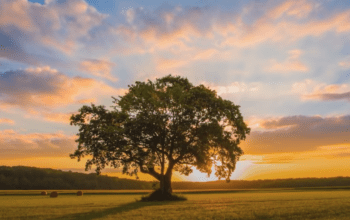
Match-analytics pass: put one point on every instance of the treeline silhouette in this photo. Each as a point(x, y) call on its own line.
point(21, 177)
point(270, 183)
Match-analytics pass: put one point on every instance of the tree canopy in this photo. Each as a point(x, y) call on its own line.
point(161, 126)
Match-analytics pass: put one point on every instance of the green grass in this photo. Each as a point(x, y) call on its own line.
point(249, 204)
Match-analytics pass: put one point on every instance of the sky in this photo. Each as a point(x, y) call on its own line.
point(285, 62)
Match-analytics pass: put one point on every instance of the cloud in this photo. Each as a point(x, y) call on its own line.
point(311, 90)
point(341, 151)
point(58, 117)
point(55, 26)
point(14, 145)
point(235, 87)
point(297, 134)
point(45, 88)
point(292, 64)
point(304, 86)
point(175, 28)
point(329, 96)
point(101, 68)
point(273, 26)
point(163, 65)
point(345, 63)
point(6, 121)
point(296, 8)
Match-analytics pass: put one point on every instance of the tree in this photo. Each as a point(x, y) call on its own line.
point(161, 126)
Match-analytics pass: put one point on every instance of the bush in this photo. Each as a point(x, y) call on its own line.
point(79, 193)
point(43, 193)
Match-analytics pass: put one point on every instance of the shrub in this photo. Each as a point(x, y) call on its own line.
point(79, 193)
point(43, 193)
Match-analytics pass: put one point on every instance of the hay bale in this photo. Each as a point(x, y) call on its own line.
point(53, 194)
point(44, 193)
point(79, 193)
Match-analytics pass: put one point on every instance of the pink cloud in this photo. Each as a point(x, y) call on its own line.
point(55, 24)
point(6, 121)
point(58, 117)
point(311, 90)
point(297, 8)
point(45, 88)
point(274, 27)
point(291, 64)
point(294, 134)
point(101, 68)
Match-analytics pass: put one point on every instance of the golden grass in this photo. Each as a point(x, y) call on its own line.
point(271, 204)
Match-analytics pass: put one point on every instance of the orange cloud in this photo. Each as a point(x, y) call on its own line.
point(274, 27)
point(6, 121)
point(292, 64)
point(101, 68)
point(297, 8)
point(84, 101)
point(165, 65)
point(322, 91)
point(341, 151)
point(15, 12)
point(297, 134)
point(44, 88)
point(58, 117)
point(14, 145)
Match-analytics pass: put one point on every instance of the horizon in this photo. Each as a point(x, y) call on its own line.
point(182, 181)
point(285, 62)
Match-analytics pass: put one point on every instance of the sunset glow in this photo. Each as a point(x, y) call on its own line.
point(285, 62)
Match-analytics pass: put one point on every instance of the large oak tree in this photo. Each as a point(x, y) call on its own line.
point(161, 126)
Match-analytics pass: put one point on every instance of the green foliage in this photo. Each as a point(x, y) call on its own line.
point(167, 123)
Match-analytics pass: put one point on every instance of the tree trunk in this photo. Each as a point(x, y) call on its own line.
point(165, 184)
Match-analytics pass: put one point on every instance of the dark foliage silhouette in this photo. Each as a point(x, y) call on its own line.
point(167, 125)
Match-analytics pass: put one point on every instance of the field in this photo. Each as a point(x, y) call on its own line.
point(244, 204)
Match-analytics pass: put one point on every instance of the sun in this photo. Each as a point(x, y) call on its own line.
point(241, 168)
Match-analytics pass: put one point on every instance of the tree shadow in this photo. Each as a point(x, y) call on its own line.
point(112, 211)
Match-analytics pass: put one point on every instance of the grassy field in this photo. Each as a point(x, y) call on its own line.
point(243, 204)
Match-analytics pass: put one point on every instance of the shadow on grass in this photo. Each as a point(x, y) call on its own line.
point(112, 211)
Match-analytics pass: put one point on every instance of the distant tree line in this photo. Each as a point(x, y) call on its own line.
point(273, 183)
point(38, 178)
point(21, 177)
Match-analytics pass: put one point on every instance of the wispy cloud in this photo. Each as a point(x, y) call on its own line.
point(101, 68)
point(235, 87)
point(291, 64)
point(312, 90)
point(297, 134)
point(345, 63)
point(7, 121)
point(15, 145)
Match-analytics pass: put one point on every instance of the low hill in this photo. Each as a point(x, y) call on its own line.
point(21, 177)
